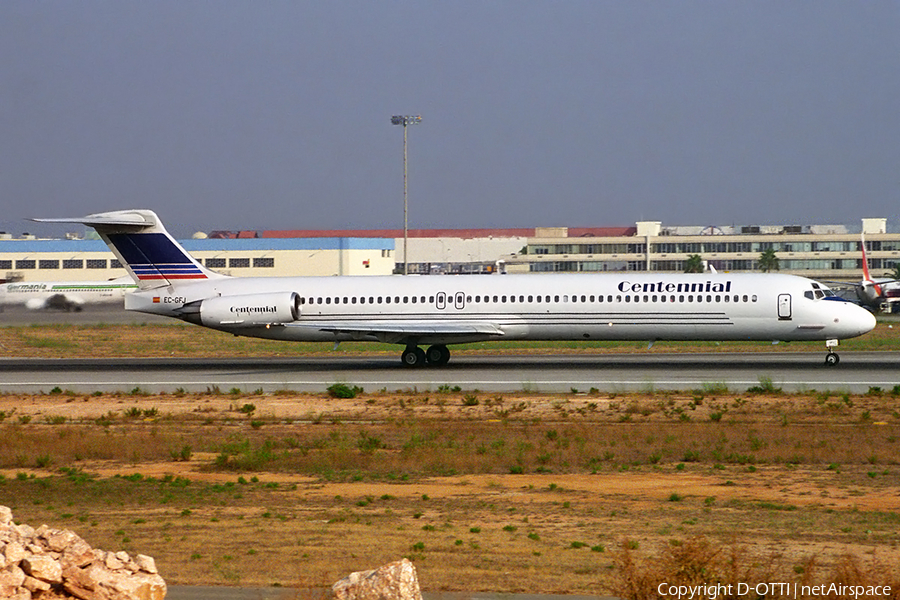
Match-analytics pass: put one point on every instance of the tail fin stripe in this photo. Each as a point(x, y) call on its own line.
point(155, 257)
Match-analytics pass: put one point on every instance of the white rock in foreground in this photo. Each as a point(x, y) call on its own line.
point(393, 581)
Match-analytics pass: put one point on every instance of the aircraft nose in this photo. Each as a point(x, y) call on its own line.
point(857, 320)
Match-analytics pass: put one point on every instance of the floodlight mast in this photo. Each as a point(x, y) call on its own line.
point(405, 120)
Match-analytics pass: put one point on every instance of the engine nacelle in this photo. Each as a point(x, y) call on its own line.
point(248, 310)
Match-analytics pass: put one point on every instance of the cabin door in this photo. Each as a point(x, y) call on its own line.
point(460, 300)
point(784, 307)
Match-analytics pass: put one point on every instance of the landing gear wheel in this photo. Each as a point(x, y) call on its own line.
point(438, 354)
point(413, 357)
point(831, 359)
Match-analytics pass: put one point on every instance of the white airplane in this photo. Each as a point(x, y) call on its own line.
point(439, 311)
point(64, 295)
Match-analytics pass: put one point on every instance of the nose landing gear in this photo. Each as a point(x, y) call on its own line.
point(832, 358)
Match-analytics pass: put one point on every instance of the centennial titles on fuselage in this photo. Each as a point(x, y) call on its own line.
point(672, 287)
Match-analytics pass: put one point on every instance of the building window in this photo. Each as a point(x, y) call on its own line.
point(25, 264)
point(264, 263)
point(73, 263)
point(239, 263)
point(5, 264)
point(216, 263)
point(96, 263)
point(48, 264)
point(114, 263)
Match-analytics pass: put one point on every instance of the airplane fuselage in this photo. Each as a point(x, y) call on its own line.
point(620, 306)
point(63, 295)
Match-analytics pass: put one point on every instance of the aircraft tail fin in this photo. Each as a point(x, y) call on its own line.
point(867, 279)
point(147, 251)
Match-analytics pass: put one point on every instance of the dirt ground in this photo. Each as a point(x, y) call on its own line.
point(783, 477)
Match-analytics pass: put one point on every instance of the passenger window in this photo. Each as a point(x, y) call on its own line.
point(753, 298)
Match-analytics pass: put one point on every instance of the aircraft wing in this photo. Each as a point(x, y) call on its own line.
point(397, 331)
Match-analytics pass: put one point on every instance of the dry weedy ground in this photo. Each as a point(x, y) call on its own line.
point(484, 492)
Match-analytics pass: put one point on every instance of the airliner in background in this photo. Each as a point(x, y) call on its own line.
point(436, 312)
point(879, 295)
point(64, 295)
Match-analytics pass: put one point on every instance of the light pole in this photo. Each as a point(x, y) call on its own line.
point(405, 120)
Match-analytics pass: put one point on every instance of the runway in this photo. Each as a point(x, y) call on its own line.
point(857, 372)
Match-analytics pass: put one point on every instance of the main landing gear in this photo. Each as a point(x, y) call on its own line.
point(831, 359)
point(414, 356)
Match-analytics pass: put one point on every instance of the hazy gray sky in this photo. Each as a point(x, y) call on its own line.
point(276, 115)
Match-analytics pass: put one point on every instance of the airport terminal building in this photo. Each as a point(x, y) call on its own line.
point(828, 252)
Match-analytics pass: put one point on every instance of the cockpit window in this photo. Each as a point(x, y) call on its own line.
point(819, 292)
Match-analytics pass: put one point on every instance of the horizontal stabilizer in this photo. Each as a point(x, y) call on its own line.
point(120, 218)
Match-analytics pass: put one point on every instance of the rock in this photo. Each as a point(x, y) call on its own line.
point(15, 552)
point(77, 554)
point(10, 580)
point(58, 564)
point(394, 581)
point(112, 562)
point(146, 564)
point(43, 567)
point(35, 585)
point(116, 585)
